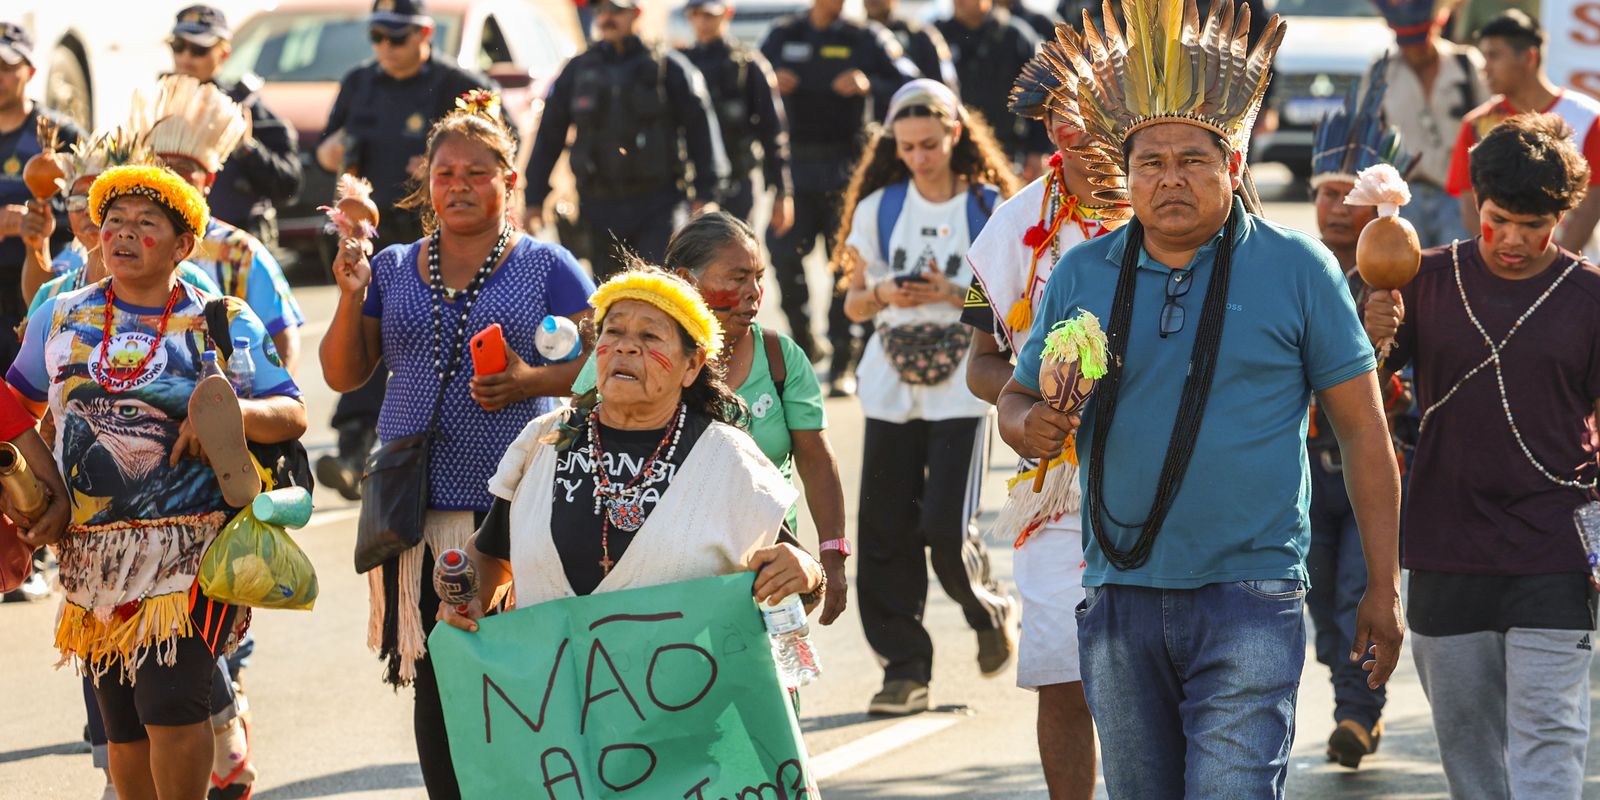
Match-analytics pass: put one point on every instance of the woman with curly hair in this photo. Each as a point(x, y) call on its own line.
point(926, 184)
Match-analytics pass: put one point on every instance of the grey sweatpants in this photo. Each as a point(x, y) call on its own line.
point(1511, 711)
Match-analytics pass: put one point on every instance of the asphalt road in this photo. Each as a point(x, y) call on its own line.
point(326, 727)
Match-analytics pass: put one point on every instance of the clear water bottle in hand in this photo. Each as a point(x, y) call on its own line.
point(242, 368)
point(557, 339)
point(791, 641)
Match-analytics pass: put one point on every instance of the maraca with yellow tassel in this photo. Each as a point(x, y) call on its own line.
point(1074, 359)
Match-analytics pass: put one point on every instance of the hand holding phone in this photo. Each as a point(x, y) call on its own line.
point(914, 277)
point(489, 351)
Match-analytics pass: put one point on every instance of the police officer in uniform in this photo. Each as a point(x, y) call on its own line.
point(833, 74)
point(923, 44)
point(20, 214)
point(266, 169)
point(635, 110)
point(378, 129)
point(990, 47)
point(744, 95)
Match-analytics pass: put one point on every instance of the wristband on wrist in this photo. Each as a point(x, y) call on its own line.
point(841, 544)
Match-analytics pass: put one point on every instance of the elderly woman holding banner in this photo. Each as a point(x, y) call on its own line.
point(654, 485)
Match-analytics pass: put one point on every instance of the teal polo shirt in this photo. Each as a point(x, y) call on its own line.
point(1291, 329)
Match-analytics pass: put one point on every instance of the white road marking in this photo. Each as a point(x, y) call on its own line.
point(849, 756)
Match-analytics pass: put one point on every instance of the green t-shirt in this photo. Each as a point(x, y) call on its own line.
point(68, 281)
point(770, 420)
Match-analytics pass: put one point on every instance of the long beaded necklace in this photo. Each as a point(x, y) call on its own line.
point(1499, 372)
point(440, 293)
point(624, 505)
point(113, 383)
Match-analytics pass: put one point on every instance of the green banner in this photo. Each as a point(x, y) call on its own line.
point(664, 692)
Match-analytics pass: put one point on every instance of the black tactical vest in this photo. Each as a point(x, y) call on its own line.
point(627, 143)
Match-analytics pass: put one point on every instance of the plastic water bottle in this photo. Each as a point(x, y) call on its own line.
point(209, 365)
point(558, 340)
point(455, 580)
point(242, 368)
point(791, 641)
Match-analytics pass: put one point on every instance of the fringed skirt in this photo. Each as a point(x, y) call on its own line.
point(1026, 511)
point(128, 591)
point(394, 626)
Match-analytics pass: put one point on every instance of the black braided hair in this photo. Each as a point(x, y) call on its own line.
point(1191, 407)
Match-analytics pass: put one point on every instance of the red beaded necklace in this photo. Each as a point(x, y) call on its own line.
point(118, 385)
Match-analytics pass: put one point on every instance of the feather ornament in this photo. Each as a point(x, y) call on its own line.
point(189, 119)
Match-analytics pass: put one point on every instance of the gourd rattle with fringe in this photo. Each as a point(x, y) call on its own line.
point(1074, 359)
point(1388, 253)
point(353, 215)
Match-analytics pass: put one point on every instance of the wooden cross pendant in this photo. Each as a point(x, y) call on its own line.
point(605, 565)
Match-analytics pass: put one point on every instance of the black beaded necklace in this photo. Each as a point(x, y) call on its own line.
point(1191, 406)
point(468, 295)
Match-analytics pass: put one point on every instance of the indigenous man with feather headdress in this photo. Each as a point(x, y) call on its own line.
point(1011, 261)
point(1221, 325)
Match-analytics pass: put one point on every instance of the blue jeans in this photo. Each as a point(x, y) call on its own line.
point(1338, 574)
point(1193, 690)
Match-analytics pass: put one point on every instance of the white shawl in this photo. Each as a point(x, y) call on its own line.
point(726, 501)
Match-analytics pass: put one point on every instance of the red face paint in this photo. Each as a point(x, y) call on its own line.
point(602, 349)
point(105, 235)
point(148, 241)
point(1488, 234)
point(660, 359)
point(1544, 244)
point(721, 299)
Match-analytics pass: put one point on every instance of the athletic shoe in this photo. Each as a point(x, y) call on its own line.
point(341, 475)
point(232, 775)
point(996, 646)
point(842, 386)
point(899, 698)
point(34, 587)
point(1351, 741)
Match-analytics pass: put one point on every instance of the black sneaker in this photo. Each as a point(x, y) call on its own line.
point(337, 473)
point(899, 698)
point(34, 587)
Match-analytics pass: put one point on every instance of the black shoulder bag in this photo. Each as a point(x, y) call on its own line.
point(286, 461)
point(395, 487)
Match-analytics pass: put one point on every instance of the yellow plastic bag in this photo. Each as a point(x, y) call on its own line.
point(255, 563)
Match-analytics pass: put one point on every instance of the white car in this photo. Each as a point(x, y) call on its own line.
point(1327, 49)
point(93, 54)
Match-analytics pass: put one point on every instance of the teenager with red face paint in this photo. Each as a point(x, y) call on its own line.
point(1501, 330)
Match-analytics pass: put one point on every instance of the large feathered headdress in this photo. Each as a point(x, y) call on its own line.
point(1045, 75)
point(1160, 66)
point(1412, 19)
point(1357, 135)
point(187, 118)
point(95, 154)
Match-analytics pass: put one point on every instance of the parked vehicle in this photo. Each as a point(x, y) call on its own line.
point(1327, 50)
point(302, 48)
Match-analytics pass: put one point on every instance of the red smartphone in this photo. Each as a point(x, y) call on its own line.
point(489, 351)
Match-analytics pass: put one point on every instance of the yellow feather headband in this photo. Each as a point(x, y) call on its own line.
point(669, 293)
point(157, 184)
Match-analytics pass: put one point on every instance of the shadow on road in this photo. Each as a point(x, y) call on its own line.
point(976, 783)
point(376, 776)
point(63, 749)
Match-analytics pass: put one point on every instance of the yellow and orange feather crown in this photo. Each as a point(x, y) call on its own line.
point(159, 185)
point(667, 292)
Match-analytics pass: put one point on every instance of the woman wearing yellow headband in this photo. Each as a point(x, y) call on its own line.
point(117, 361)
point(580, 488)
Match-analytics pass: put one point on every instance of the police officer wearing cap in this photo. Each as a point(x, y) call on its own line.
point(832, 73)
point(744, 95)
point(20, 215)
point(923, 44)
point(265, 170)
point(635, 110)
point(990, 47)
point(378, 129)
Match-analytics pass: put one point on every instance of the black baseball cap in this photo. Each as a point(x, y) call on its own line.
point(16, 46)
point(625, 5)
point(202, 25)
point(399, 15)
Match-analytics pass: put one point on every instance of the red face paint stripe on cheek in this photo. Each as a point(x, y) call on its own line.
point(602, 349)
point(1488, 234)
point(148, 241)
point(660, 359)
point(721, 299)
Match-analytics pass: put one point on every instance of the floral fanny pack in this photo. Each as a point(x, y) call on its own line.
point(927, 353)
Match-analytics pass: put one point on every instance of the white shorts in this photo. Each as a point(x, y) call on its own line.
point(1048, 570)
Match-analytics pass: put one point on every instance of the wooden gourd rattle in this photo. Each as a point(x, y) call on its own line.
point(44, 175)
point(1074, 359)
point(353, 215)
point(1388, 253)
